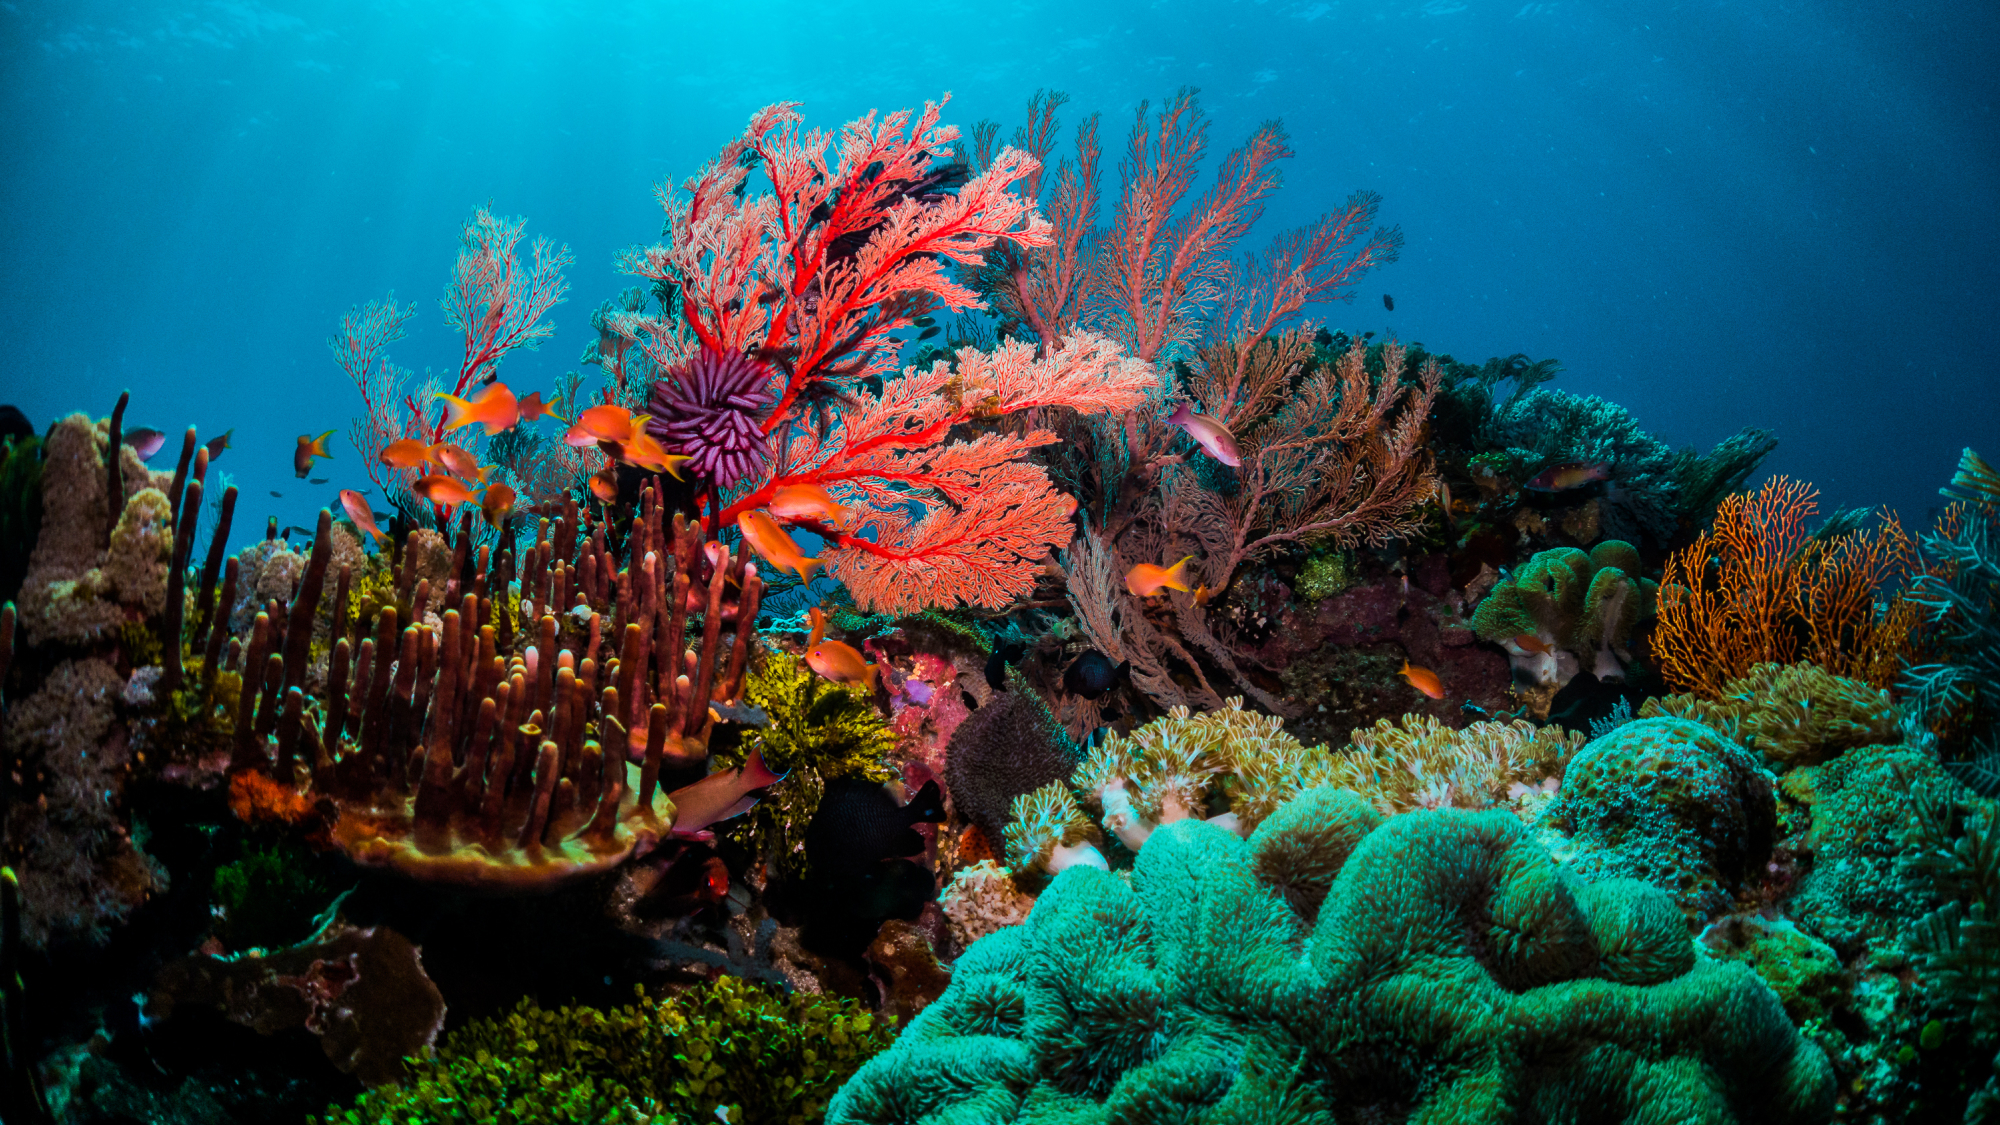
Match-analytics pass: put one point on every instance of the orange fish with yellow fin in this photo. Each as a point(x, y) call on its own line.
point(773, 545)
point(309, 448)
point(495, 408)
point(1145, 579)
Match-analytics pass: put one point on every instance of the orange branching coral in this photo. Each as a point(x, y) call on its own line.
point(1758, 587)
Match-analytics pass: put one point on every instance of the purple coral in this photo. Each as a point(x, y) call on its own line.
point(707, 408)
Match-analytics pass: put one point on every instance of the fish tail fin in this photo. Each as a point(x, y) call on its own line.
point(927, 807)
point(456, 411)
point(1181, 415)
point(319, 445)
point(869, 675)
point(1176, 577)
point(805, 570)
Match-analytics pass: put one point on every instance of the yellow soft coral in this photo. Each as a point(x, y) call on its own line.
point(1047, 832)
point(1794, 714)
point(1422, 763)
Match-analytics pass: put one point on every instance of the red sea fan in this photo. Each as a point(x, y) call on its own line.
point(710, 409)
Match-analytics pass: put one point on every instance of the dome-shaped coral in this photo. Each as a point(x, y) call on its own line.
point(1453, 973)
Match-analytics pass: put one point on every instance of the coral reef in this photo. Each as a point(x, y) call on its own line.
point(981, 899)
point(1451, 972)
point(1672, 803)
point(729, 1051)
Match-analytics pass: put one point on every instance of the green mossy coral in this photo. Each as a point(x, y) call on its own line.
point(1859, 891)
point(1453, 973)
point(815, 731)
point(268, 898)
point(1325, 574)
point(731, 1050)
point(1671, 802)
point(1793, 714)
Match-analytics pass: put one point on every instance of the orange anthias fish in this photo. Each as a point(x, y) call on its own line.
point(839, 662)
point(1145, 579)
point(534, 409)
point(309, 448)
point(605, 422)
point(773, 545)
point(1423, 679)
point(446, 491)
point(495, 408)
point(604, 484)
point(357, 509)
point(644, 450)
point(407, 453)
point(497, 501)
point(1562, 478)
point(719, 796)
point(808, 502)
point(457, 461)
point(1528, 642)
point(1207, 433)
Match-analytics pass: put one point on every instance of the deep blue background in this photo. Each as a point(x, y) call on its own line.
point(1781, 214)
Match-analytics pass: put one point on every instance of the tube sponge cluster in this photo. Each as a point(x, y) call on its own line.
point(1435, 967)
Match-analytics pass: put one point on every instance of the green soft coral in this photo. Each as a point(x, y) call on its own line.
point(731, 1050)
point(1581, 607)
point(815, 732)
point(1451, 973)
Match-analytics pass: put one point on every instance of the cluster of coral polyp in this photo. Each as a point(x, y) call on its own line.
point(1438, 966)
point(470, 752)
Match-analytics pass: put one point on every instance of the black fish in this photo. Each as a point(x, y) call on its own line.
point(217, 445)
point(923, 322)
point(859, 825)
point(971, 700)
point(1388, 302)
point(319, 480)
point(277, 495)
point(14, 424)
point(927, 333)
point(996, 665)
point(1093, 674)
point(287, 534)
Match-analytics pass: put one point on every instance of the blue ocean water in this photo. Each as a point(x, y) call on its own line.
point(1716, 214)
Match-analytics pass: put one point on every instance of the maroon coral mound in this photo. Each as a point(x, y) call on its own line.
point(708, 409)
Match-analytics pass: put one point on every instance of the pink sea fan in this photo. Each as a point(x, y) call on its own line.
point(710, 409)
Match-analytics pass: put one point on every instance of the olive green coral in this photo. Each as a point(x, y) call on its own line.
point(731, 1050)
point(1793, 714)
point(814, 732)
point(1453, 973)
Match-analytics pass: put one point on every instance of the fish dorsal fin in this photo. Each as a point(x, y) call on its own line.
point(927, 807)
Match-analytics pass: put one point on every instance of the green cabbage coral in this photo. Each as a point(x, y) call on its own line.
point(1435, 968)
point(815, 732)
point(729, 1048)
point(1576, 607)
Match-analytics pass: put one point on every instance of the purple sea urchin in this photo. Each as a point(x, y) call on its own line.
point(707, 408)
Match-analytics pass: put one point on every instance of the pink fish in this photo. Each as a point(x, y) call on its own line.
point(146, 442)
point(1208, 433)
point(719, 796)
point(1562, 478)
